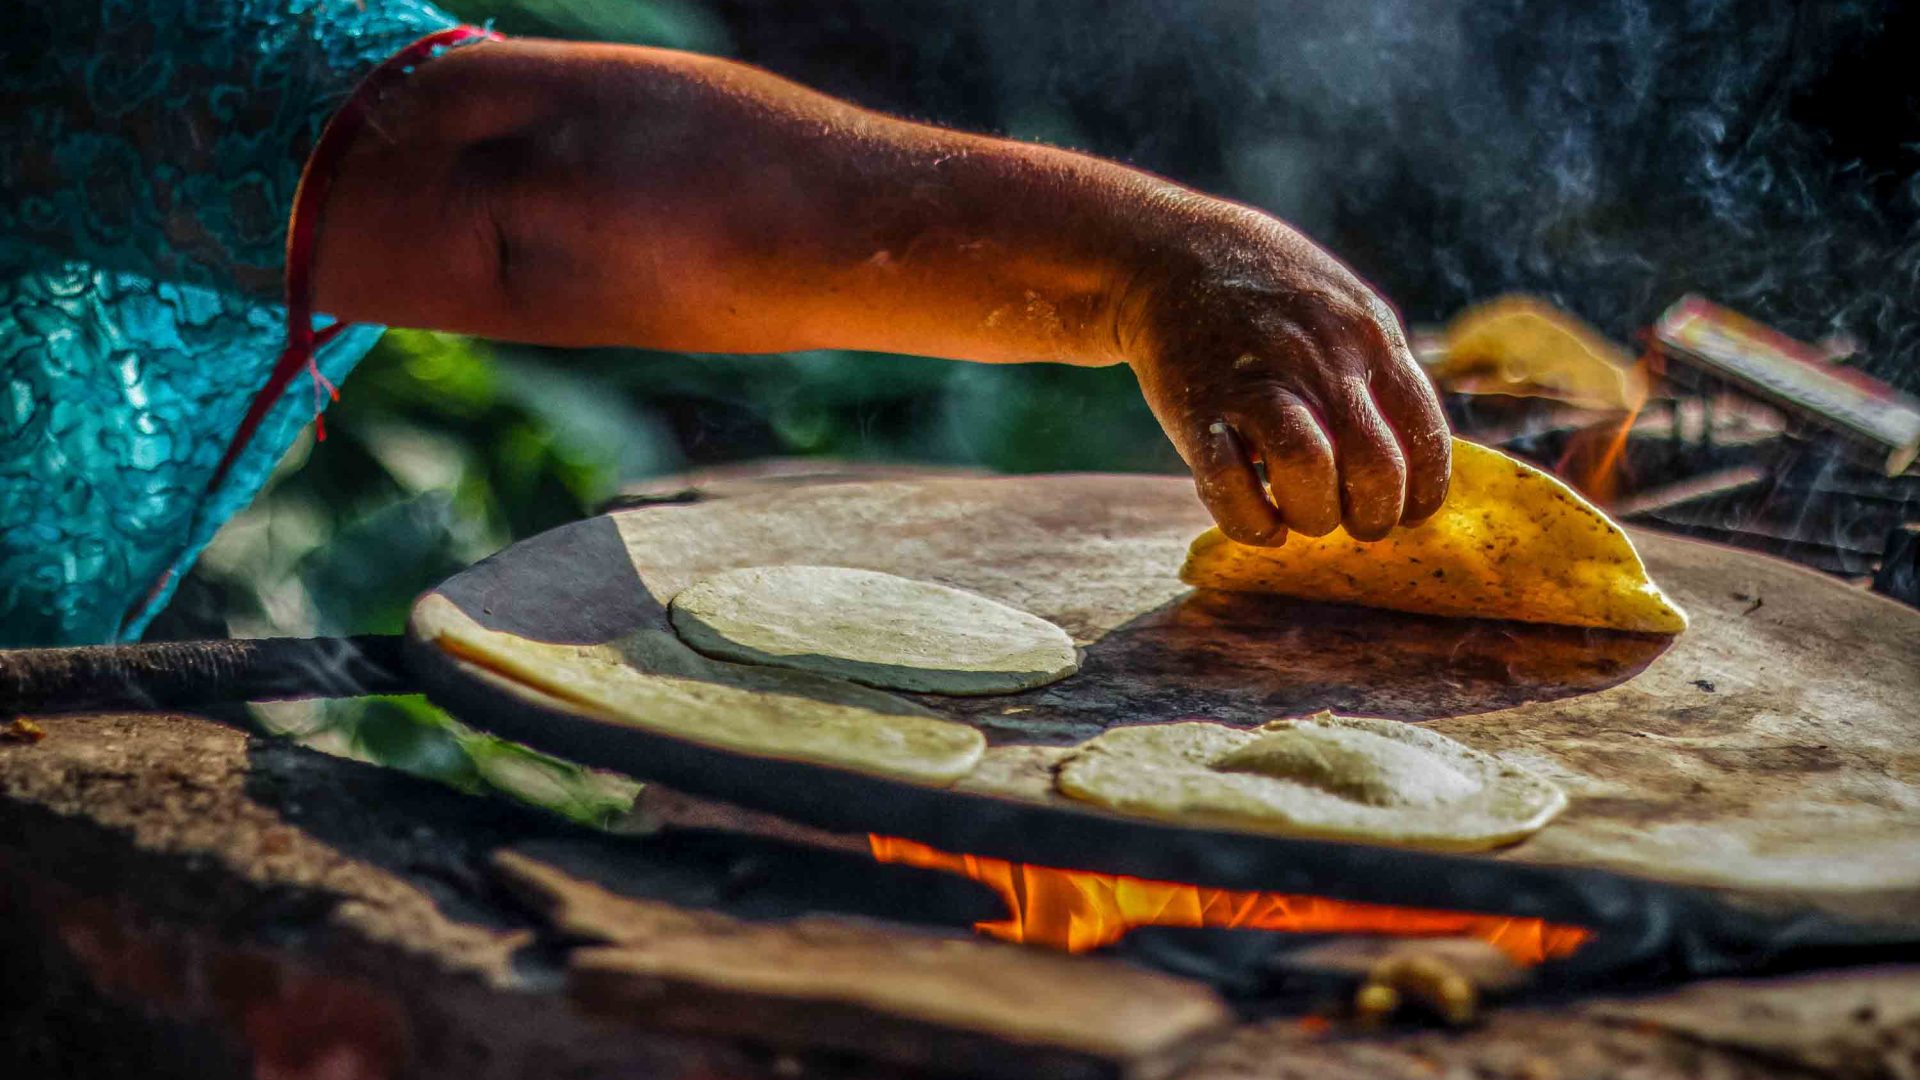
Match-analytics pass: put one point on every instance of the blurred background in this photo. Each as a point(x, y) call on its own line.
point(1606, 156)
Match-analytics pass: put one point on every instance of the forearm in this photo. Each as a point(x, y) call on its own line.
point(593, 195)
point(583, 195)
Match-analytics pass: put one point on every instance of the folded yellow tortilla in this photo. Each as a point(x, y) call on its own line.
point(1511, 542)
point(1522, 346)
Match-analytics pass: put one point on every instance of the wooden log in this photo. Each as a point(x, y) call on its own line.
point(278, 906)
point(186, 674)
point(952, 1003)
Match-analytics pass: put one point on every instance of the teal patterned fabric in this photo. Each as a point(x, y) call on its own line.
point(149, 152)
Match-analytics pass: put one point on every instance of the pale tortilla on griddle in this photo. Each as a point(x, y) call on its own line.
point(1510, 542)
point(1325, 777)
point(653, 682)
point(879, 629)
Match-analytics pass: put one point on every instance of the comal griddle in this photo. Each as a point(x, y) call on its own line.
point(1744, 796)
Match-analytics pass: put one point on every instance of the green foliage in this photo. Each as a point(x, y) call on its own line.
point(408, 734)
point(1047, 418)
point(673, 24)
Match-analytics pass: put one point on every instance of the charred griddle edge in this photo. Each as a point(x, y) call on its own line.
point(1645, 931)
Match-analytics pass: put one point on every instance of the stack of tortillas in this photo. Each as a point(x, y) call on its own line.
point(652, 681)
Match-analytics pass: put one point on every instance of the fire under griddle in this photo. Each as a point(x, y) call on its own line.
point(1738, 792)
point(166, 882)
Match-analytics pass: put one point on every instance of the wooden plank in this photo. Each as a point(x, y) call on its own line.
point(954, 1003)
point(178, 899)
point(231, 886)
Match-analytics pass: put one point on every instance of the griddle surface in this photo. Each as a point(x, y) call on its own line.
point(1767, 754)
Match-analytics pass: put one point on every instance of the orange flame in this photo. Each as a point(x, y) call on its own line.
point(1078, 910)
point(1595, 457)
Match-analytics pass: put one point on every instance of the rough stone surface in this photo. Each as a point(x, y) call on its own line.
point(1571, 1043)
point(179, 899)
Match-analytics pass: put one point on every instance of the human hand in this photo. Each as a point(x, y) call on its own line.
point(1252, 344)
point(526, 216)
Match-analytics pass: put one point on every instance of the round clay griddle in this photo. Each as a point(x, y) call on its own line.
point(1768, 753)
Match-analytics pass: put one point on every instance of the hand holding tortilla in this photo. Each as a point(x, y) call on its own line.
point(781, 648)
point(1510, 542)
point(1327, 776)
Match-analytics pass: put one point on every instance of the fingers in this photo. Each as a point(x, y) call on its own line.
point(1301, 474)
point(1332, 402)
point(1373, 473)
point(1411, 408)
point(1231, 490)
point(1380, 459)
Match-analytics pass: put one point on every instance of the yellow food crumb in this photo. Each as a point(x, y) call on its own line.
point(1429, 980)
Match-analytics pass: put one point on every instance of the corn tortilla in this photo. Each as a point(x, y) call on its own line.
point(1325, 776)
point(879, 629)
point(1511, 542)
point(653, 682)
point(1519, 345)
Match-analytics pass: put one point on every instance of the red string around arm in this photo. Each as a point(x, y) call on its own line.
point(309, 199)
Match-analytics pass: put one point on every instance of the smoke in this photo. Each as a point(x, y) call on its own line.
point(1609, 155)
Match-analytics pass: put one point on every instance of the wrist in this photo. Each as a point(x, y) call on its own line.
point(1192, 252)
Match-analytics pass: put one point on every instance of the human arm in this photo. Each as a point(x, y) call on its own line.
point(588, 195)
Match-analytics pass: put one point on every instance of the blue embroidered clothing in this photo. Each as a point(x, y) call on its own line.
point(151, 153)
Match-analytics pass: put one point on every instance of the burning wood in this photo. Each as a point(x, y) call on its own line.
point(1729, 430)
point(1595, 456)
point(1079, 911)
point(1719, 345)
